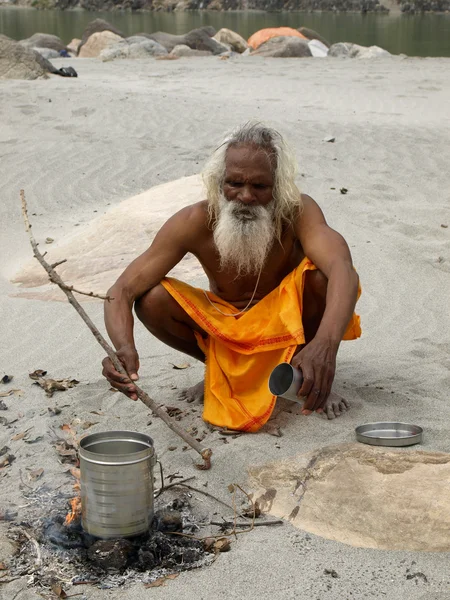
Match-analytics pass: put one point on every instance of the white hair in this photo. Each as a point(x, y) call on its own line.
point(287, 198)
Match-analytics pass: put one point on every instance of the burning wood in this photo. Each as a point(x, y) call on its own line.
point(75, 512)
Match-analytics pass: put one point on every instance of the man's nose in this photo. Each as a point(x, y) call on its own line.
point(246, 195)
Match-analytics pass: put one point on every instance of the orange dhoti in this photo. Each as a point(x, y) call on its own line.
point(242, 351)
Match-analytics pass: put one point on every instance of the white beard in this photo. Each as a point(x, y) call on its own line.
point(244, 235)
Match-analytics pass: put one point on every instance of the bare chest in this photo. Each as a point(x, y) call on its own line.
point(238, 290)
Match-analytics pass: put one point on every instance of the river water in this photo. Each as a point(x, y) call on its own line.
point(414, 35)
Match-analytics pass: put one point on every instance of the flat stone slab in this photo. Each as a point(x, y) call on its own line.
point(363, 496)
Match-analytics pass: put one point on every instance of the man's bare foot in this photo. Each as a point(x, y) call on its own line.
point(194, 393)
point(334, 406)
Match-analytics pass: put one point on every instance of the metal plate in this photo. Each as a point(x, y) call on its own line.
point(389, 434)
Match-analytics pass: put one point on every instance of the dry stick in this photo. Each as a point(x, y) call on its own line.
point(257, 524)
point(205, 453)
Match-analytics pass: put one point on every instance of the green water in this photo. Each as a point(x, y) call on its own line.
point(414, 35)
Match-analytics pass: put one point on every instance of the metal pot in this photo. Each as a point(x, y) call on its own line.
point(116, 483)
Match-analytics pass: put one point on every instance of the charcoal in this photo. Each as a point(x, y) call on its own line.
point(167, 520)
point(110, 555)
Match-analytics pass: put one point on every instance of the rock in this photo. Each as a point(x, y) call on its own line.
point(44, 40)
point(197, 39)
point(98, 42)
point(183, 50)
point(318, 49)
point(73, 46)
point(349, 50)
point(18, 62)
point(232, 39)
point(371, 52)
point(209, 30)
point(264, 35)
point(47, 53)
point(135, 47)
point(97, 26)
point(310, 34)
point(284, 47)
point(355, 494)
point(341, 49)
point(110, 555)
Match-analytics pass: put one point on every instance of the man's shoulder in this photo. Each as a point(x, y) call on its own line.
point(196, 215)
point(192, 221)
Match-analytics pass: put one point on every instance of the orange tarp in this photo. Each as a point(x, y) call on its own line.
point(263, 35)
point(242, 351)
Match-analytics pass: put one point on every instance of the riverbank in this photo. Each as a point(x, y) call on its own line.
point(412, 35)
point(84, 148)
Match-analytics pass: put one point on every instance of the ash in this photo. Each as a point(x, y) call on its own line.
point(51, 552)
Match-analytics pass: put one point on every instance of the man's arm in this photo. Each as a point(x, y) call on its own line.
point(328, 250)
point(170, 245)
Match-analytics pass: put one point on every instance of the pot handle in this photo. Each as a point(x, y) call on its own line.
point(161, 477)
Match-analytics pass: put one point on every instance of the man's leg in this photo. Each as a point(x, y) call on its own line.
point(314, 302)
point(171, 324)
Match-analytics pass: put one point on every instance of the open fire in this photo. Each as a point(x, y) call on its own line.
point(55, 548)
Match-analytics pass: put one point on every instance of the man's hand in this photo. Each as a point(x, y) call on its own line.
point(130, 360)
point(317, 361)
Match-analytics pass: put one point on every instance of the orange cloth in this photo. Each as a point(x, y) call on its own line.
point(263, 35)
point(242, 351)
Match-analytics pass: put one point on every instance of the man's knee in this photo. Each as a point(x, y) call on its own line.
point(151, 305)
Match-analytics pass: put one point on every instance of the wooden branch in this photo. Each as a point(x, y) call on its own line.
point(70, 288)
point(205, 453)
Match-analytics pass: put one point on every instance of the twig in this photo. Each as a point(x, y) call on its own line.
point(58, 262)
point(252, 524)
point(194, 489)
point(171, 485)
point(70, 288)
point(38, 561)
point(257, 524)
point(205, 453)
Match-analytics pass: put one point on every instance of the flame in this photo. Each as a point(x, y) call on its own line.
point(75, 503)
point(75, 512)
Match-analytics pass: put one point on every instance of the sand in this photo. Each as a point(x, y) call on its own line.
point(84, 149)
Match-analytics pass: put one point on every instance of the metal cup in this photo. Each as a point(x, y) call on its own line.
point(285, 381)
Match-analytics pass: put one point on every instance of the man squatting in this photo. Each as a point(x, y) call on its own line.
point(282, 287)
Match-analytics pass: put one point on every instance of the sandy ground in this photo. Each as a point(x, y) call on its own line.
point(81, 147)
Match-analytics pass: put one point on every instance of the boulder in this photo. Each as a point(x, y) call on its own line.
point(73, 46)
point(183, 50)
point(197, 39)
point(232, 39)
point(133, 47)
point(372, 52)
point(47, 53)
point(349, 50)
point(317, 48)
point(19, 62)
point(97, 26)
point(310, 34)
point(263, 35)
point(167, 40)
point(44, 40)
point(209, 30)
point(341, 49)
point(98, 42)
point(284, 47)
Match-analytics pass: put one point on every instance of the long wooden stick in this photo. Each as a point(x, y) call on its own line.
point(205, 453)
